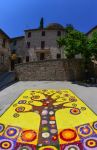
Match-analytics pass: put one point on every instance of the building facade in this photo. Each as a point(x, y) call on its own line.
point(4, 51)
point(39, 44)
point(36, 45)
point(18, 46)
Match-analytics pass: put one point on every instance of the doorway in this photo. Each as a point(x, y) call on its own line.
point(42, 56)
point(12, 65)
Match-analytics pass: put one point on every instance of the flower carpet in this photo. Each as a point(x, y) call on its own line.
point(48, 120)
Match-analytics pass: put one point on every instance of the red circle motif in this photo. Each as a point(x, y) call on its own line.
point(28, 135)
point(68, 135)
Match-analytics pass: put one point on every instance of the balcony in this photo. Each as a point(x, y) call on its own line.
point(39, 49)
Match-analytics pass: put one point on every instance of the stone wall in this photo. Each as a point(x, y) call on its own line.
point(95, 68)
point(58, 70)
point(4, 68)
point(4, 62)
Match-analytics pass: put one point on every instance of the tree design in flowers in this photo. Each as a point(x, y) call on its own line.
point(33, 121)
point(46, 103)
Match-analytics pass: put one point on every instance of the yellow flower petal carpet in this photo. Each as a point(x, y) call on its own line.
point(48, 120)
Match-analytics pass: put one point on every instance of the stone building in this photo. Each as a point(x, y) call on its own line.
point(36, 44)
point(39, 44)
point(90, 32)
point(18, 46)
point(4, 51)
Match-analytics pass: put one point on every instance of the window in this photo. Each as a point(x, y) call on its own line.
point(14, 43)
point(43, 33)
point(27, 58)
point(42, 44)
point(58, 56)
point(28, 44)
point(29, 34)
point(19, 60)
point(2, 59)
point(3, 44)
point(59, 33)
point(13, 51)
point(42, 56)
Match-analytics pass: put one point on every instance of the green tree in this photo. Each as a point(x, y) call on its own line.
point(93, 45)
point(41, 23)
point(74, 42)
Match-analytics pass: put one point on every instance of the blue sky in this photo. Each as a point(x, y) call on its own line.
point(17, 15)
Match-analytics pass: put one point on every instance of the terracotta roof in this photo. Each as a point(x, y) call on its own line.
point(33, 29)
point(42, 29)
point(18, 37)
point(55, 26)
point(52, 26)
